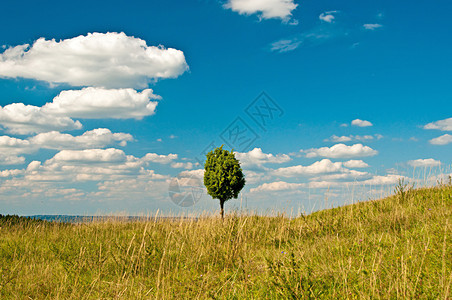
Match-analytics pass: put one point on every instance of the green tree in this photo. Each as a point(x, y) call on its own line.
point(223, 176)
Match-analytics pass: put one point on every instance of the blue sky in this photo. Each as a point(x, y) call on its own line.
point(103, 104)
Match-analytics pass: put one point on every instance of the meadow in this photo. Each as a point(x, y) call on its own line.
point(396, 247)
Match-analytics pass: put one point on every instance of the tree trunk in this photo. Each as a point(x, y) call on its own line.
point(222, 209)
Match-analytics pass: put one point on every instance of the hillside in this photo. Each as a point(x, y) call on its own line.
point(397, 247)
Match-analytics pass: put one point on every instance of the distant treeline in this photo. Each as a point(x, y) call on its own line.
point(15, 219)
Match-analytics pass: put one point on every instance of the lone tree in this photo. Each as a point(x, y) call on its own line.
point(223, 176)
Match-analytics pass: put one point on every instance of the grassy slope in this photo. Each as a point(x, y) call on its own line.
point(398, 247)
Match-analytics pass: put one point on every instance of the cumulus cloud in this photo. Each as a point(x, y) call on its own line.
point(268, 9)
point(428, 162)
point(10, 173)
point(117, 180)
point(87, 103)
point(277, 186)
point(97, 59)
point(256, 157)
point(346, 175)
point(8, 159)
point(18, 118)
point(100, 103)
point(85, 165)
point(384, 180)
point(442, 140)
point(90, 156)
point(182, 165)
point(372, 26)
point(324, 184)
point(319, 167)
point(10, 147)
point(142, 186)
point(355, 164)
point(159, 158)
point(375, 180)
point(327, 16)
point(69, 166)
point(253, 177)
point(361, 123)
point(339, 139)
point(13, 145)
point(199, 173)
point(341, 151)
point(443, 125)
point(97, 138)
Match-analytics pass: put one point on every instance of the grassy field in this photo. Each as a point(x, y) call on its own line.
point(397, 247)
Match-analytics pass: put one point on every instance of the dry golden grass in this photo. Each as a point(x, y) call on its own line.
point(397, 247)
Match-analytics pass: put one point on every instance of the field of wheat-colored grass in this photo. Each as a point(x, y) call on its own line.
point(396, 247)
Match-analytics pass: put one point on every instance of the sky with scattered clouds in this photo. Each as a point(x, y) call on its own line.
point(110, 107)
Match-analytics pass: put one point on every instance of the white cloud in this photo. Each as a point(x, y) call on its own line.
point(340, 139)
point(99, 103)
point(316, 36)
point(267, 9)
point(319, 167)
point(355, 164)
point(88, 103)
point(91, 156)
point(159, 158)
point(18, 118)
point(253, 177)
point(285, 45)
point(97, 138)
point(277, 186)
point(313, 37)
point(55, 181)
point(10, 147)
point(97, 59)
point(13, 145)
point(143, 186)
point(327, 16)
point(346, 175)
point(7, 159)
point(443, 125)
point(178, 165)
point(58, 192)
point(428, 162)
point(372, 26)
point(341, 151)
point(256, 157)
point(86, 165)
point(199, 173)
point(9, 173)
point(361, 123)
point(383, 180)
point(442, 140)
point(376, 180)
point(325, 184)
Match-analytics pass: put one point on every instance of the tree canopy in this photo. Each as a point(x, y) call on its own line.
point(223, 176)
